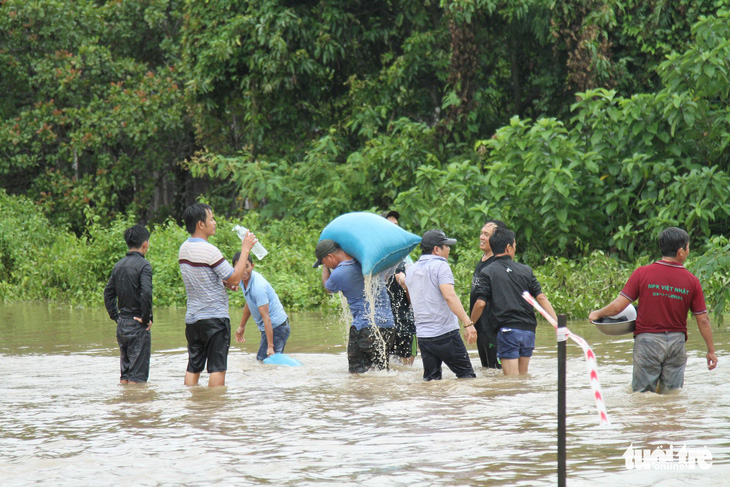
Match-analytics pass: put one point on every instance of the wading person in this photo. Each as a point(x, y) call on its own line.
point(486, 332)
point(501, 285)
point(405, 327)
point(367, 345)
point(666, 292)
point(128, 300)
point(264, 305)
point(206, 275)
point(437, 310)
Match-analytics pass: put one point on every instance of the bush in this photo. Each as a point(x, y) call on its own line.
point(38, 261)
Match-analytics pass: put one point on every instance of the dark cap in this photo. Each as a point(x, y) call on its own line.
point(324, 248)
point(393, 213)
point(436, 238)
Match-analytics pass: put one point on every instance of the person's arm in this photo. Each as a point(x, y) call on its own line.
point(326, 272)
point(447, 291)
point(615, 307)
point(242, 326)
point(145, 296)
point(268, 328)
point(545, 303)
point(110, 299)
point(476, 311)
point(703, 323)
point(246, 245)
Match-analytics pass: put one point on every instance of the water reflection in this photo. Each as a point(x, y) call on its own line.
point(66, 421)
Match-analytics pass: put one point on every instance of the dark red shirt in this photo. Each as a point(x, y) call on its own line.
point(666, 292)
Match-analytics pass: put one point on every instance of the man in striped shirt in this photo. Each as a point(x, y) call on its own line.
point(206, 274)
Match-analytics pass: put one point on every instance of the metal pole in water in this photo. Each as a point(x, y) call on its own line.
point(562, 323)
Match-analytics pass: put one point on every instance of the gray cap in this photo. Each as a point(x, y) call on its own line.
point(436, 238)
point(324, 248)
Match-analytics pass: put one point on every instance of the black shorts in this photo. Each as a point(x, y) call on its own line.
point(135, 346)
point(402, 342)
point(368, 348)
point(208, 340)
point(487, 346)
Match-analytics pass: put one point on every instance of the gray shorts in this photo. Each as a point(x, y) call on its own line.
point(659, 361)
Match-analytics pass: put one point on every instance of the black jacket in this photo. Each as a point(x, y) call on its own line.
point(501, 285)
point(129, 290)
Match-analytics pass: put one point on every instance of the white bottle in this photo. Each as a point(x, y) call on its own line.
point(258, 250)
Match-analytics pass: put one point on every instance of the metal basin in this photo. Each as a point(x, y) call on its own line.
point(609, 327)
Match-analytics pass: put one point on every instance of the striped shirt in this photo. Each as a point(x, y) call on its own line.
point(203, 270)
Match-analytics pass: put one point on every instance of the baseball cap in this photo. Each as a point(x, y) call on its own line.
point(324, 248)
point(435, 238)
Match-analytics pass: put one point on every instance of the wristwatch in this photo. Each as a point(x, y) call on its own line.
point(471, 323)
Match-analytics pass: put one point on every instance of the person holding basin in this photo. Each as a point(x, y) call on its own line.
point(666, 292)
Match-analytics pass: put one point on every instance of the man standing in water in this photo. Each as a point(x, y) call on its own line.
point(486, 333)
point(437, 310)
point(367, 345)
point(501, 285)
point(405, 327)
point(128, 300)
point(666, 292)
point(206, 275)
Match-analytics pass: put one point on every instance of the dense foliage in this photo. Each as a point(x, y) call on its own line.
point(586, 125)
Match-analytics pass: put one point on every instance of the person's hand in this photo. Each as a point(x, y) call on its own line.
point(248, 242)
point(232, 287)
point(470, 334)
point(270, 351)
point(149, 325)
point(239, 334)
point(593, 315)
point(711, 360)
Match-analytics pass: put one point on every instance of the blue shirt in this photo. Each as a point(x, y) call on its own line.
point(430, 310)
point(260, 293)
point(347, 278)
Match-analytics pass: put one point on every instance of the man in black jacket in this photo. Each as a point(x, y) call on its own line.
point(128, 300)
point(501, 285)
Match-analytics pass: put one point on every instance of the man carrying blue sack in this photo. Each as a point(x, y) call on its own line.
point(264, 305)
point(367, 345)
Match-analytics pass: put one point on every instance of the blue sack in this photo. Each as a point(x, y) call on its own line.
point(281, 359)
point(375, 242)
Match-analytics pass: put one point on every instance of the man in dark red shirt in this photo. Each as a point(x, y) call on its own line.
point(666, 292)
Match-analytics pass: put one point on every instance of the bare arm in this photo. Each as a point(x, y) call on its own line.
point(246, 245)
point(545, 303)
point(447, 291)
point(615, 307)
point(401, 279)
point(242, 327)
point(477, 310)
point(268, 328)
point(325, 277)
point(703, 323)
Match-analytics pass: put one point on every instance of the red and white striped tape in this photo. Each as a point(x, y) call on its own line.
point(591, 363)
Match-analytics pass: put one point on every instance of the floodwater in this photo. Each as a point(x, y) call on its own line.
point(65, 420)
